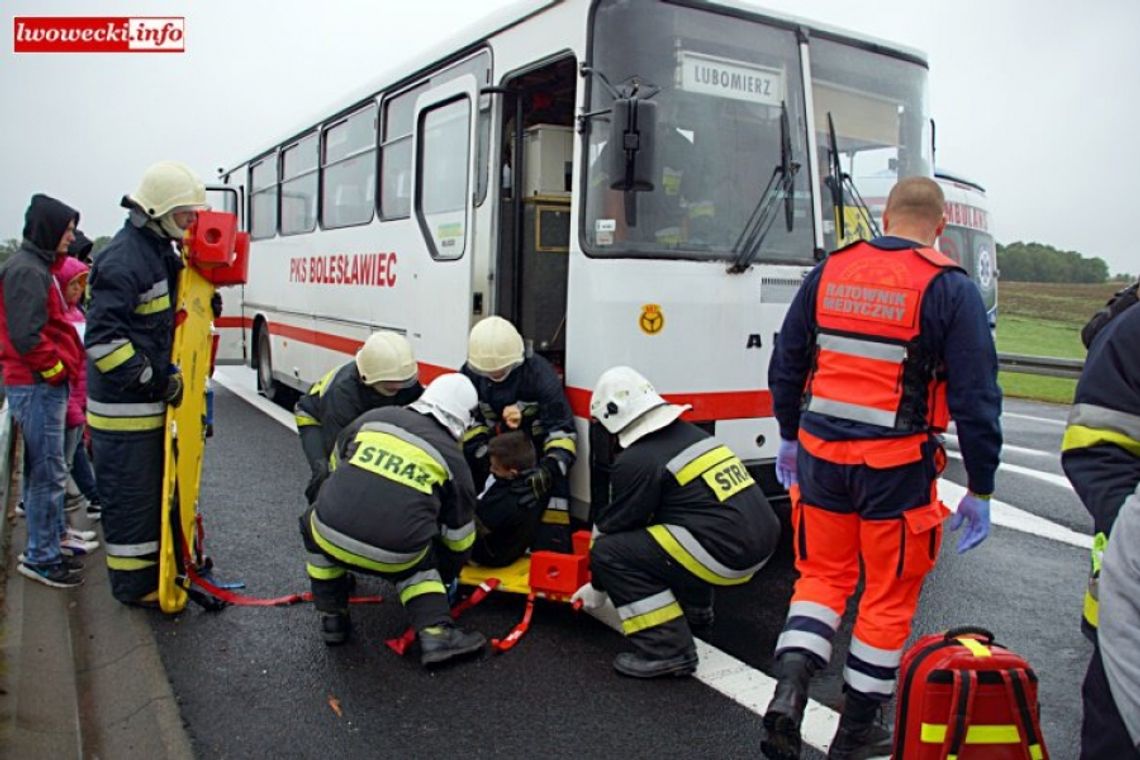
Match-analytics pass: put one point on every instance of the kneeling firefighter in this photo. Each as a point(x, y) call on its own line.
point(400, 504)
point(383, 373)
point(684, 516)
point(523, 392)
point(130, 379)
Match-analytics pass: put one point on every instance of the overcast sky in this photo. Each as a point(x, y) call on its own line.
point(1036, 100)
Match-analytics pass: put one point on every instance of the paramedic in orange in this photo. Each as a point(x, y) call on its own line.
point(885, 342)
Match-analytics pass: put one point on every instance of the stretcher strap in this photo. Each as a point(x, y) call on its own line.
point(512, 638)
point(400, 644)
point(226, 596)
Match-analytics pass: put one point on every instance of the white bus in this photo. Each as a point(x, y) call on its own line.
point(628, 181)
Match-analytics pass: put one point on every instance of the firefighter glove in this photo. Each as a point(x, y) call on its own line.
point(590, 597)
point(541, 478)
point(974, 511)
point(172, 394)
point(216, 304)
point(475, 443)
point(786, 463)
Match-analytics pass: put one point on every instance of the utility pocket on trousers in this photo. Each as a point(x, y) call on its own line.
point(921, 539)
point(799, 529)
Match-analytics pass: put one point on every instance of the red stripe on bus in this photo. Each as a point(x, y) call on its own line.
point(233, 322)
point(725, 405)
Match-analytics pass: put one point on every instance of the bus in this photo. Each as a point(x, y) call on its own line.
point(641, 182)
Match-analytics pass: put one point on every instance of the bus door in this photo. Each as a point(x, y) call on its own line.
point(441, 299)
point(231, 335)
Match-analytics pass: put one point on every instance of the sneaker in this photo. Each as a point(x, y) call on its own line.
point(71, 546)
point(74, 502)
point(55, 576)
point(71, 563)
point(82, 535)
point(94, 509)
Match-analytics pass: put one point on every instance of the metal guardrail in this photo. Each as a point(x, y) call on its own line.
point(1041, 365)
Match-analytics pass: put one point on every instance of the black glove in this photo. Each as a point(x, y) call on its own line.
point(475, 443)
point(216, 304)
point(540, 480)
point(172, 394)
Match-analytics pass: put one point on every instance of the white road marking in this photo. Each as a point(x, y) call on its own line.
point(1049, 420)
point(1052, 478)
point(740, 682)
point(1007, 448)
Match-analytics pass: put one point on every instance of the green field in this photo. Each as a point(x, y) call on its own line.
point(1045, 319)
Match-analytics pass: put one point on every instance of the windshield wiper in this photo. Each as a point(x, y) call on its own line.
point(780, 185)
point(837, 181)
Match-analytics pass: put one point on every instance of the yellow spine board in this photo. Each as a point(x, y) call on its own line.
point(185, 432)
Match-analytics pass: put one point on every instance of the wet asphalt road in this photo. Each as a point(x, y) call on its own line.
point(255, 682)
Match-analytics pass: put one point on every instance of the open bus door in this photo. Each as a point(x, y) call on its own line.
point(444, 148)
point(228, 327)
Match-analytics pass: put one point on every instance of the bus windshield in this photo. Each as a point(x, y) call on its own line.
point(877, 107)
point(722, 85)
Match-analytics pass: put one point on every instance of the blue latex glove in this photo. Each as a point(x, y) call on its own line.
point(786, 463)
point(975, 511)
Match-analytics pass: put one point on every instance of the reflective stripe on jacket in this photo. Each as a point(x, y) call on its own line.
point(869, 364)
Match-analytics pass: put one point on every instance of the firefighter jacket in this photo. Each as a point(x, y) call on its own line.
point(130, 330)
point(537, 390)
point(400, 482)
point(340, 397)
point(37, 343)
point(697, 500)
point(1101, 448)
point(887, 339)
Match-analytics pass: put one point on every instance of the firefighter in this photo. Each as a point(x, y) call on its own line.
point(399, 503)
point(383, 373)
point(1101, 456)
point(684, 516)
point(130, 379)
point(884, 342)
point(510, 383)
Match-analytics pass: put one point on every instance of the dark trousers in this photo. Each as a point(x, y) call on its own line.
point(1103, 734)
point(129, 477)
point(642, 579)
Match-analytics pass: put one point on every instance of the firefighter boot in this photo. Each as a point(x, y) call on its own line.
point(335, 627)
point(860, 734)
point(440, 643)
point(638, 665)
point(786, 710)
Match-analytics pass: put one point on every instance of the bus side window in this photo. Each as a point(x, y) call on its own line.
point(263, 198)
point(299, 187)
point(349, 173)
point(396, 155)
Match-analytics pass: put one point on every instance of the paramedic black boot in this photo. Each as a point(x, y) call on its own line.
point(335, 627)
point(786, 710)
point(860, 734)
point(639, 666)
point(440, 643)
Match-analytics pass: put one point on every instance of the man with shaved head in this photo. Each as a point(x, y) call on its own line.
point(886, 341)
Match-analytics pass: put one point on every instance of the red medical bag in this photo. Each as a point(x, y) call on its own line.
point(963, 696)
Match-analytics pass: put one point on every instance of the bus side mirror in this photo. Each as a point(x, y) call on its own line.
point(632, 127)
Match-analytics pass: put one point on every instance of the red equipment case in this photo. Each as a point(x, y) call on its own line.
point(963, 696)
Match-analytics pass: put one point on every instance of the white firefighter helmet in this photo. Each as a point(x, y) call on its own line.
point(627, 405)
point(451, 399)
point(494, 347)
point(386, 357)
point(168, 187)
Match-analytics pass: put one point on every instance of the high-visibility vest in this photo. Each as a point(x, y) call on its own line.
point(870, 362)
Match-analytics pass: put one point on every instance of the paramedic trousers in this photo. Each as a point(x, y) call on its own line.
point(890, 519)
point(420, 586)
point(650, 590)
point(129, 478)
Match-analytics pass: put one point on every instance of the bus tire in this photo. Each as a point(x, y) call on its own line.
point(266, 385)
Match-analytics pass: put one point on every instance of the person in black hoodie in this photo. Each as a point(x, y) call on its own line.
point(38, 351)
point(509, 508)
